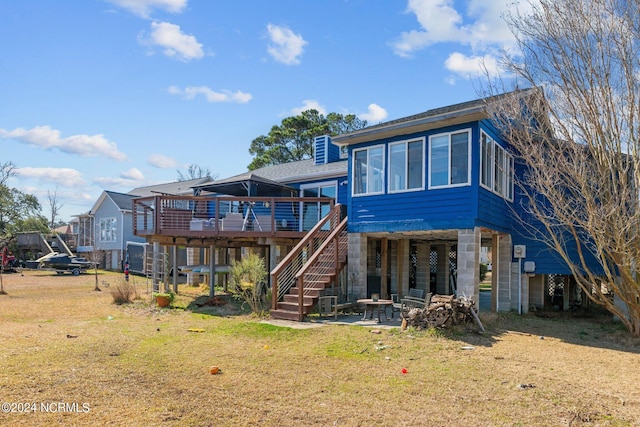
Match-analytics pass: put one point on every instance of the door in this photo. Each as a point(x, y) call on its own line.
point(313, 212)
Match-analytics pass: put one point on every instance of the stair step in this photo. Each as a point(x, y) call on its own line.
point(321, 270)
point(308, 281)
point(285, 315)
point(310, 288)
point(290, 306)
point(308, 299)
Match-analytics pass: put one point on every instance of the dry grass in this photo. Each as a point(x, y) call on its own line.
point(135, 365)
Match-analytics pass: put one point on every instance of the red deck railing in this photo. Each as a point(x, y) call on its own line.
point(225, 216)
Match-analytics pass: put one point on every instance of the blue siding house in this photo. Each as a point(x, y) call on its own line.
point(427, 193)
point(426, 198)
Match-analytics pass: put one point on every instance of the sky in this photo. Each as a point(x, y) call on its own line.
point(117, 94)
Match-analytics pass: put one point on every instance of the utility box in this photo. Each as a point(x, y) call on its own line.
point(519, 251)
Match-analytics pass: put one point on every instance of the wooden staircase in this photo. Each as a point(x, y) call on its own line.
point(312, 266)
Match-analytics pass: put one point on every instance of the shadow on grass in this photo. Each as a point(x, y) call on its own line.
point(593, 327)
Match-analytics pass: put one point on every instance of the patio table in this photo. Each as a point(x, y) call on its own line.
point(374, 305)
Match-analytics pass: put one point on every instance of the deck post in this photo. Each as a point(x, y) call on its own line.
point(212, 269)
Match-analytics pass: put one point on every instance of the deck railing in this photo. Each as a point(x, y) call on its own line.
point(203, 216)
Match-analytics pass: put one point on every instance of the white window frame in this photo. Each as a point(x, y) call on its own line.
point(108, 230)
point(406, 164)
point(317, 185)
point(382, 172)
point(449, 175)
point(507, 169)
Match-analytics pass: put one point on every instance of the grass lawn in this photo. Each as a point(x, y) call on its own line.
point(68, 349)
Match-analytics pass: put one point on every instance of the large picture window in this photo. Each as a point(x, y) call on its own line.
point(368, 171)
point(108, 229)
point(449, 159)
point(406, 165)
point(496, 169)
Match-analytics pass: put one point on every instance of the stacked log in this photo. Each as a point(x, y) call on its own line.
point(442, 312)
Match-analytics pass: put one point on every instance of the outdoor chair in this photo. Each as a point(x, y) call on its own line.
point(396, 307)
point(232, 222)
point(328, 305)
point(411, 302)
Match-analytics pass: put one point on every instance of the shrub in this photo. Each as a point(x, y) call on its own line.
point(483, 271)
point(248, 277)
point(123, 293)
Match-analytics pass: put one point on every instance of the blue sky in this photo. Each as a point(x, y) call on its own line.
point(116, 94)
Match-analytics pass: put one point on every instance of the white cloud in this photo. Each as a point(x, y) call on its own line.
point(175, 44)
point(480, 27)
point(376, 114)
point(143, 8)
point(190, 92)
point(82, 145)
point(439, 22)
point(61, 176)
point(133, 174)
point(127, 179)
point(161, 161)
point(470, 66)
point(285, 46)
point(309, 104)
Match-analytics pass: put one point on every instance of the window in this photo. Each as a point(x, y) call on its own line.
point(496, 169)
point(107, 229)
point(486, 159)
point(368, 172)
point(449, 159)
point(406, 165)
point(312, 212)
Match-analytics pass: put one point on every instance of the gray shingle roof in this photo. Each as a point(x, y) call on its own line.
point(302, 170)
point(122, 201)
point(177, 188)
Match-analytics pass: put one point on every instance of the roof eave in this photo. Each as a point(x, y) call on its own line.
point(411, 126)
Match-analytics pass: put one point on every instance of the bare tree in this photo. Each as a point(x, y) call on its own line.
point(96, 256)
point(7, 170)
point(54, 207)
point(581, 155)
point(194, 172)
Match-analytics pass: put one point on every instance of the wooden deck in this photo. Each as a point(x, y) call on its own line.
point(200, 220)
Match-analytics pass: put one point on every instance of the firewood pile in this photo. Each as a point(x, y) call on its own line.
point(442, 312)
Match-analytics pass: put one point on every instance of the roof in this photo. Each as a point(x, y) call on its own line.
point(122, 201)
point(176, 188)
point(248, 184)
point(302, 170)
point(430, 119)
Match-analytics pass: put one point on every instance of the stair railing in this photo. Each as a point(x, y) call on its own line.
point(283, 276)
point(332, 245)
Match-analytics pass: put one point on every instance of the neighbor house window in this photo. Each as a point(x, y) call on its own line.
point(406, 165)
point(496, 168)
point(368, 171)
point(449, 159)
point(107, 229)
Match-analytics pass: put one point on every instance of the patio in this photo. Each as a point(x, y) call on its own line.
point(353, 319)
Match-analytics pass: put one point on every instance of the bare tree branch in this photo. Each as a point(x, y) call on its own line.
point(580, 154)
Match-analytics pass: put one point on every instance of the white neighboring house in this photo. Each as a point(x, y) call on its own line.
point(108, 226)
point(112, 227)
